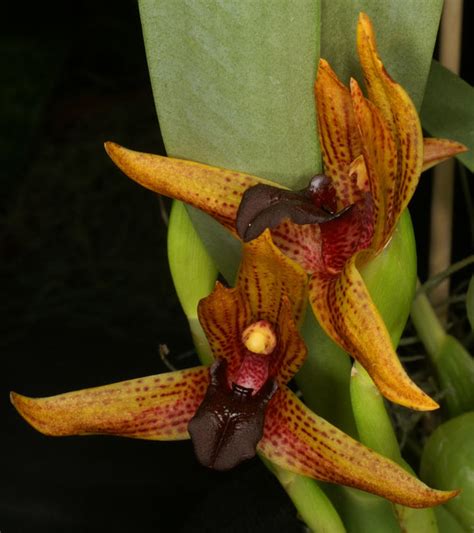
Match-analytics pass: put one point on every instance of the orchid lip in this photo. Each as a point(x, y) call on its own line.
point(228, 424)
point(265, 206)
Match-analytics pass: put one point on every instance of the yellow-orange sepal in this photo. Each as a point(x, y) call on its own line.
point(155, 407)
point(297, 439)
point(345, 310)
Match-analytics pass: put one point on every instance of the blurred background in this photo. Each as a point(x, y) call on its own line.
point(87, 296)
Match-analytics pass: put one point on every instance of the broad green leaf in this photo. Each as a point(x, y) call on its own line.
point(448, 110)
point(448, 463)
point(233, 83)
point(233, 87)
point(470, 302)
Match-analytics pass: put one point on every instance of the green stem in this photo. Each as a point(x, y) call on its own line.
point(313, 506)
point(429, 328)
point(436, 280)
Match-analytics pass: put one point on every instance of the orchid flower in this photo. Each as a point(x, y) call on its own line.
point(373, 154)
point(241, 404)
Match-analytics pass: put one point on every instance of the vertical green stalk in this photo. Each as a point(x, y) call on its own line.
point(193, 271)
point(453, 364)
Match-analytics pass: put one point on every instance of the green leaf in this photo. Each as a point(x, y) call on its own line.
point(470, 302)
point(448, 110)
point(233, 87)
point(448, 463)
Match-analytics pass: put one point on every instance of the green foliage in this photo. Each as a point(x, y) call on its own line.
point(455, 369)
point(448, 463)
point(448, 110)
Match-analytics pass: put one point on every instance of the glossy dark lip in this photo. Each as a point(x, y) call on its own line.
point(228, 424)
point(265, 206)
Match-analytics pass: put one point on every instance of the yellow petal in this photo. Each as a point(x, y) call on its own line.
point(338, 133)
point(438, 150)
point(269, 287)
point(399, 114)
point(156, 407)
point(344, 308)
point(380, 156)
point(224, 315)
point(266, 274)
point(214, 190)
point(276, 288)
point(300, 441)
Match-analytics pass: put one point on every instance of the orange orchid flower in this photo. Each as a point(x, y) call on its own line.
point(241, 404)
point(373, 152)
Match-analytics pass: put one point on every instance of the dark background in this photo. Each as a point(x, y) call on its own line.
point(86, 292)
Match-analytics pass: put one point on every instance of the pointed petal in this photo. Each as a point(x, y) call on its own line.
point(214, 190)
point(271, 287)
point(399, 114)
point(156, 407)
point(291, 350)
point(276, 288)
point(338, 133)
point(224, 315)
point(438, 150)
point(380, 156)
point(266, 274)
point(298, 440)
point(344, 308)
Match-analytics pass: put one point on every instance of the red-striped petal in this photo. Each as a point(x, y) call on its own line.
point(297, 439)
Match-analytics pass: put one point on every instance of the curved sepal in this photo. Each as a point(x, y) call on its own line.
point(399, 113)
point(438, 150)
point(297, 439)
point(338, 133)
point(345, 310)
point(155, 407)
point(216, 191)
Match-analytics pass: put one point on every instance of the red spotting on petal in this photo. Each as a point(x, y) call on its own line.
point(301, 243)
point(353, 231)
point(300, 441)
point(266, 275)
point(400, 116)
point(338, 132)
point(216, 191)
point(155, 407)
point(269, 287)
point(380, 157)
point(224, 315)
point(437, 150)
point(344, 308)
point(291, 350)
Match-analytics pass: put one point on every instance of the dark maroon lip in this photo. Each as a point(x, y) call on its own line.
point(266, 206)
point(228, 424)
